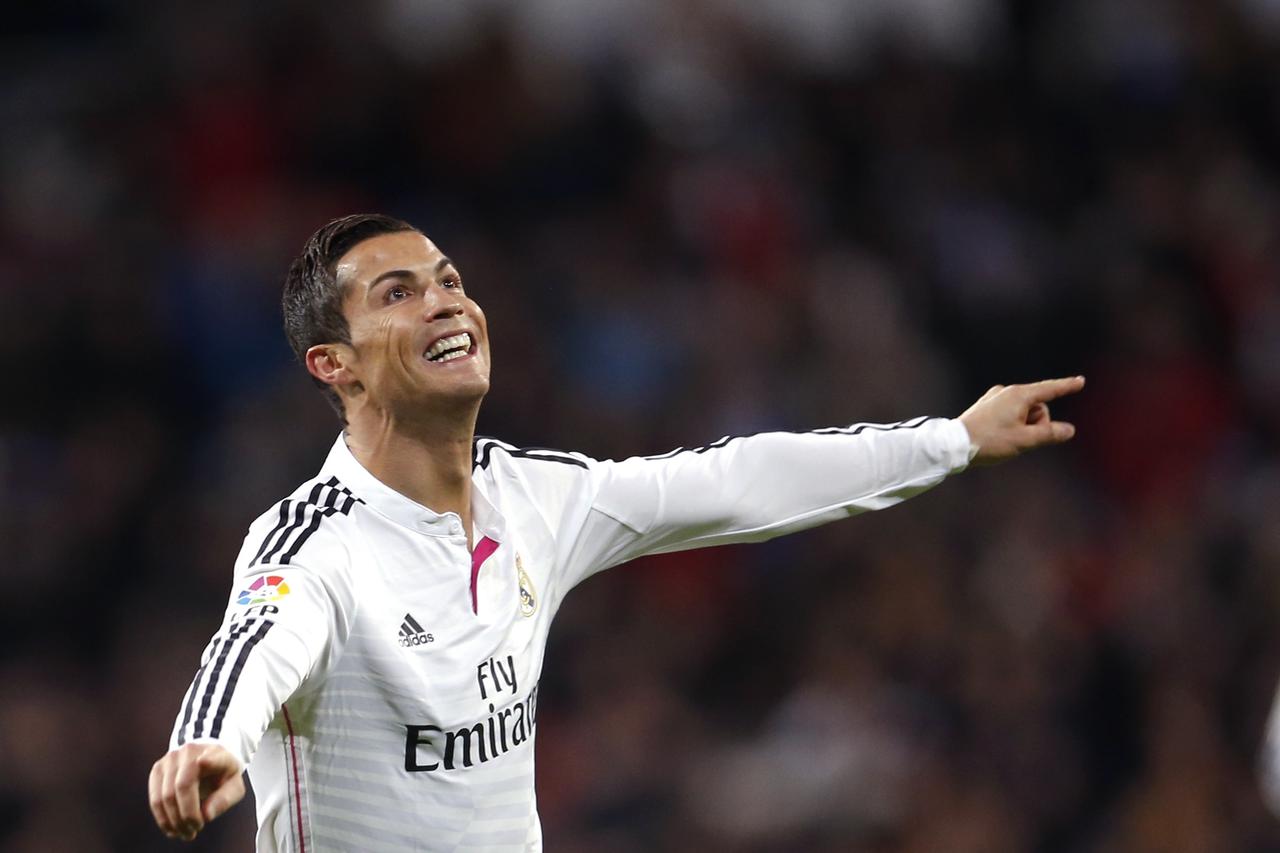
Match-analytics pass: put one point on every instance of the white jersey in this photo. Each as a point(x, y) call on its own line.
point(380, 680)
point(1269, 766)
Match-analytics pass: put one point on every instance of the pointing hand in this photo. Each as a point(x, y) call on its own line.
point(191, 786)
point(1011, 419)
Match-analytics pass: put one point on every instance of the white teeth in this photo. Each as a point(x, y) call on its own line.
point(456, 346)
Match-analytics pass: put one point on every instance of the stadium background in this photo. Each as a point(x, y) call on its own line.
point(685, 219)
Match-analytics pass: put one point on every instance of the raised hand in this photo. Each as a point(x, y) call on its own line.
point(1012, 419)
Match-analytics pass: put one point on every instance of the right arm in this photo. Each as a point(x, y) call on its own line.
point(267, 647)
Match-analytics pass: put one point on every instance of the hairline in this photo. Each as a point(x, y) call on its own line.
point(344, 286)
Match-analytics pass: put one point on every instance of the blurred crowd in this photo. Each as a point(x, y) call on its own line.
point(684, 218)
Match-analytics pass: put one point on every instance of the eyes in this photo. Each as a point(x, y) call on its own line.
point(400, 292)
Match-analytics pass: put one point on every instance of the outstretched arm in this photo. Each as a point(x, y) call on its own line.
point(757, 487)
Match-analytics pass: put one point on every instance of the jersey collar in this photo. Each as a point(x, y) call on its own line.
point(404, 511)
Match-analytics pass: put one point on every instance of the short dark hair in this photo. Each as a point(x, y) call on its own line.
point(312, 301)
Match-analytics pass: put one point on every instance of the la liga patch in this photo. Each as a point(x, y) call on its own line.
point(262, 590)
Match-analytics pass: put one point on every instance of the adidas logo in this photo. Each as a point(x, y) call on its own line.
point(411, 633)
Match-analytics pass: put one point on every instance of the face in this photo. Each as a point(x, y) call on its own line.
point(417, 339)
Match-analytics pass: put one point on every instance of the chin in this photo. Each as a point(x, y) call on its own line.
point(463, 390)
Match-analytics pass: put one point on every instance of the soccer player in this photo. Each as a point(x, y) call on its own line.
point(377, 667)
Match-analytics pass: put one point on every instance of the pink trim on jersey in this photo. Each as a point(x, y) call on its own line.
point(483, 549)
point(297, 782)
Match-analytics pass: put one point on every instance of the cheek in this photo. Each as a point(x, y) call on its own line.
point(382, 336)
point(375, 341)
point(482, 322)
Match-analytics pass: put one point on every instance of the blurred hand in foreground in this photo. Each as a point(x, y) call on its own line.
point(191, 786)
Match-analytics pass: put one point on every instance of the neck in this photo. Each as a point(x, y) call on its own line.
point(426, 461)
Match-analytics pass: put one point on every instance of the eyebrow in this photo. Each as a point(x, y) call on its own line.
point(440, 265)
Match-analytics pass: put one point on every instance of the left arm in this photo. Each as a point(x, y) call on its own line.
point(754, 488)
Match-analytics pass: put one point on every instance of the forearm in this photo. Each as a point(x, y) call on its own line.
point(249, 670)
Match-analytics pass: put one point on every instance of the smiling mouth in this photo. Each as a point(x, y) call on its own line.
point(451, 348)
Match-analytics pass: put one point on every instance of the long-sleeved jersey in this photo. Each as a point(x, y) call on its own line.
point(379, 678)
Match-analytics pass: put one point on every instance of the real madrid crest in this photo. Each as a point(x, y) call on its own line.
point(528, 597)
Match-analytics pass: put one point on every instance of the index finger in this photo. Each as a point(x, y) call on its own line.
point(1052, 389)
point(155, 797)
point(187, 790)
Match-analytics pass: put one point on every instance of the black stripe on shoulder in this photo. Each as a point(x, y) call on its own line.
point(317, 513)
point(300, 519)
point(284, 518)
point(485, 446)
point(853, 429)
point(299, 510)
point(482, 447)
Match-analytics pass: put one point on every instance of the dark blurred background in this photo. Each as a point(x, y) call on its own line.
point(685, 218)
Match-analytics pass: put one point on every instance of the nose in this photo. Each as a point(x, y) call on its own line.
point(446, 304)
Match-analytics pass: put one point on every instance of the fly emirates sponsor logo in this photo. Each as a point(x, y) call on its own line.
point(429, 748)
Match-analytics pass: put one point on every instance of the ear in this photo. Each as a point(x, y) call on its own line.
point(331, 364)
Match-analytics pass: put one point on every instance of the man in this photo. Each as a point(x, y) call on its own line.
point(377, 667)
